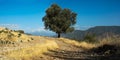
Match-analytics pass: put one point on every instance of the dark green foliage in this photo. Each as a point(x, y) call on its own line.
point(13, 43)
point(4, 31)
point(90, 38)
point(20, 31)
point(59, 20)
point(1, 31)
point(6, 28)
point(19, 35)
point(5, 42)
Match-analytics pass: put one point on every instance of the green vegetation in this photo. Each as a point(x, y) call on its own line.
point(5, 42)
point(19, 35)
point(20, 31)
point(91, 38)
point(1, 31)
point(59, 20)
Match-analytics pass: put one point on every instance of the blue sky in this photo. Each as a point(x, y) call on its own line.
point(27, 14)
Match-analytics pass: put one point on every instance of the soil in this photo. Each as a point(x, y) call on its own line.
point(70, 52)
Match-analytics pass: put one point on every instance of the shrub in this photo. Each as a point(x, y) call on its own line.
point(90, 38)
point(5, 42)
point(20, 31)
point(1, 31)
point(32, 38)
point(6, 28)
point(19, 35)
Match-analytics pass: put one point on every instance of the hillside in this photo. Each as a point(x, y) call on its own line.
point(15, 45)
point(98, 31)
point(48, 48)
point(12, 36)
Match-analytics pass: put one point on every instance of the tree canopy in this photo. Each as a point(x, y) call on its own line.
point(59, 20)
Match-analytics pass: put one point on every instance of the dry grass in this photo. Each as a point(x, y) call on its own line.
point(114, 40)
point(79, 44)
point(33, 51)
point(37, 48)
point(108, 40)
point(13, 36)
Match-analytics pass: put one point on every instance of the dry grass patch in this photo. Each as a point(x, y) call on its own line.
point(33, 51)
point(79, 44)
point(13, 36)
point(110, 41)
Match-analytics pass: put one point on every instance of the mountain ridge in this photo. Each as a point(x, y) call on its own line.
point(99, 31)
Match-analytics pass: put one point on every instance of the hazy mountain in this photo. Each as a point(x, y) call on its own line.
point(98, 31)
point(42, 33)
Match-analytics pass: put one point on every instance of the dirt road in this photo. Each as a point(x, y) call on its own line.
point(70, 52)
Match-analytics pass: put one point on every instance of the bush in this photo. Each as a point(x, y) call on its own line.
point(5, 42)
point(90, 38)
point(6, 28)
point(32, 38)
point(1, 31)
point(20, 31)
point(19, 35)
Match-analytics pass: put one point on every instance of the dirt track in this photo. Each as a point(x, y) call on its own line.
point(70, 52)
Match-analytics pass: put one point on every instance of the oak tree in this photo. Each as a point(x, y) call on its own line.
point(59, 20)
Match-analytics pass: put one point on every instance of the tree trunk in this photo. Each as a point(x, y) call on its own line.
point(58, 35)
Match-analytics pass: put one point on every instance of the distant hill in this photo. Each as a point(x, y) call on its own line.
point(42, 33)
point(98, 31)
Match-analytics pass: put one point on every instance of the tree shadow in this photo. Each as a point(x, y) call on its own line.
point(67, 55)
point(93, 54)
point(105, 57)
